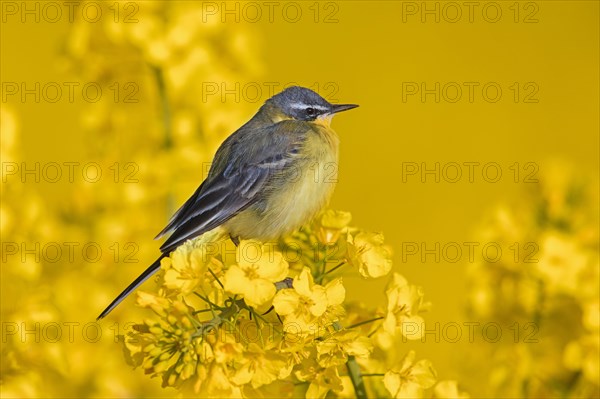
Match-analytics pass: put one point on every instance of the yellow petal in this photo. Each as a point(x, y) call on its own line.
point(251, 252)
point(304, 282)
point(335, 219)
point(360, 347)
point(316, 391)
point(258, 292)
point(423, 373)
point(336, 293)
point(275, 268)
point(319, 298)
point(389, 324)
point(407, 361)
point(286, 302)
point(242, 376)
point(392, 381)
point(398, 281)
point(235, 280)
point(409, 390)
point(412, 327)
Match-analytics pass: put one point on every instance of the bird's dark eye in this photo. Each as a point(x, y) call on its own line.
point(310, 111)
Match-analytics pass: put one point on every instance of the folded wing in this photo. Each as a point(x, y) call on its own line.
point(241, 171)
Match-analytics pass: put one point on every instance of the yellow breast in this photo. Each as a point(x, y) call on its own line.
point(300, 196)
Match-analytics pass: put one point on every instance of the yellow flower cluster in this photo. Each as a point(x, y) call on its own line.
point(152, 135)
point(547, 296)
point(270, 319)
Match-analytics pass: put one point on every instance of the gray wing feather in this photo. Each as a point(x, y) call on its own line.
point(242, 169)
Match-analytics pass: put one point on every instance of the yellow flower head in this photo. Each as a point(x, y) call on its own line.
point(259, 267)
point(259, 366)
point(186, 269)
point(307, 303)
point(322, 379)
point(218, 351)
point(331, 224)
point(408, 379)
point(157, 304)
point(335, 349)
point(367, 251)
point(561, 263)
point(404, 304)
point(166, 347)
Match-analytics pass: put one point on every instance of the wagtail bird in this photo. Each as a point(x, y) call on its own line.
point(267, 179)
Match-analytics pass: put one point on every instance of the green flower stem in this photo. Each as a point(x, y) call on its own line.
point(356, 378)
point(208, 302)
point(354, 372)
point(195, 312)
point(216, 278)
point(164, 102)
point(362, 323)
point(218, 319)
point(166, 123)
point(335, 267)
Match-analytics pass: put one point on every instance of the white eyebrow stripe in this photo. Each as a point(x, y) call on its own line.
point(304, 106)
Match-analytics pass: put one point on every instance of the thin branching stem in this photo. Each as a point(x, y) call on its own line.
point(216, 278)
point(335, 267)
point(354, 372)
point(362, 323)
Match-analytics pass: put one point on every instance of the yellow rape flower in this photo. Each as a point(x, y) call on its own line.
point(322, 379)
point(254, 275)
point(165, 347)
point(216, 384)
point(209, 342)
point(561, 263)
point(185, 271)
point(157, 304)
point(331, 224)
point(259, 366)
point(335, 349)
point(367, 251)
point(404, 304)
point(409, 379)
point(296, 351)
point(306, 304)
point(217, 352)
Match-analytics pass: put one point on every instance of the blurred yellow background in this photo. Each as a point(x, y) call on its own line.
point(218, 62)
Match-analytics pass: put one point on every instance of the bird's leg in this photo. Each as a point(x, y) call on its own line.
point(236, 240)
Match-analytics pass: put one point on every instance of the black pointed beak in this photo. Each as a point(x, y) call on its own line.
point(342, 107)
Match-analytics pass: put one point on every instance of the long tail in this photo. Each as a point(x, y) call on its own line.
point(153, 268)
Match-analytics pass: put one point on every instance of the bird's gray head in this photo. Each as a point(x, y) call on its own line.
point(304, 104)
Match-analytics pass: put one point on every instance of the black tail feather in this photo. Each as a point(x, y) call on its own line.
point(153, 268)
